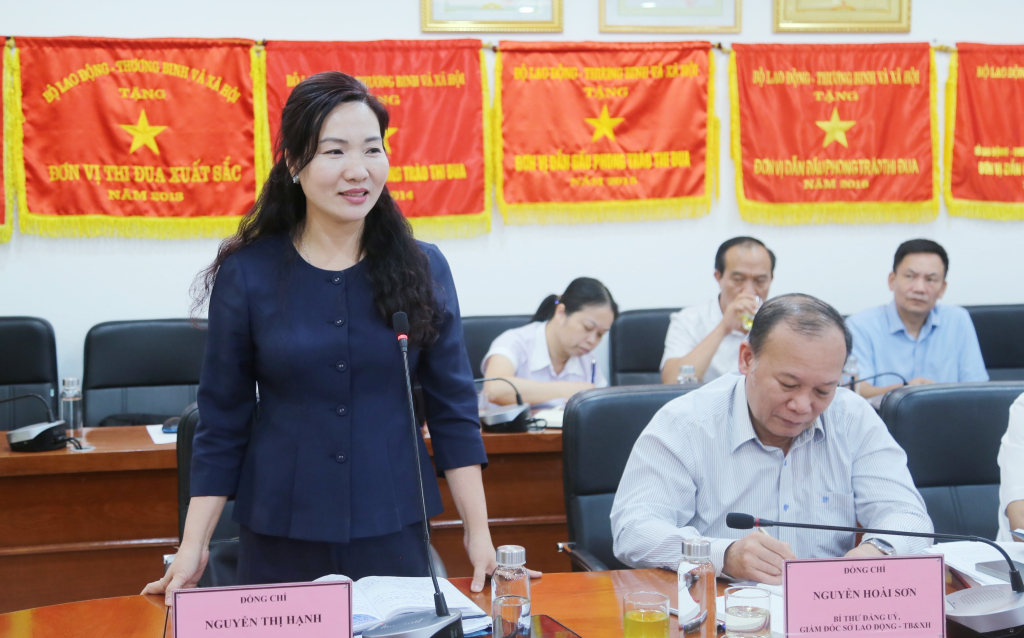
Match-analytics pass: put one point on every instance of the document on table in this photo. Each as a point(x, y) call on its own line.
point(159, 436)
point(776, 590)
point(379, 598)
point(552, 417)
point(964, 555)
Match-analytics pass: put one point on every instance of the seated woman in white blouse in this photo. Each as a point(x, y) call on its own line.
point(1011, 474)
point(549, 359)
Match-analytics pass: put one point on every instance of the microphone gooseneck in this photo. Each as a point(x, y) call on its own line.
point(736, 520)
point(873, 377)
point(49, 412)
point(400, 322)
point(519, 399)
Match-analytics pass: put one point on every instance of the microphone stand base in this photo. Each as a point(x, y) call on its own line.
point(424, 624)
point(505, 419)
point(991, 610)
point(40, 437)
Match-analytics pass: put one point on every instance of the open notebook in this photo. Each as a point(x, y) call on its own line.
point(379, 598)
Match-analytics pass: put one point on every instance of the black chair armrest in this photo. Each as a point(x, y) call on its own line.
point(581, 558)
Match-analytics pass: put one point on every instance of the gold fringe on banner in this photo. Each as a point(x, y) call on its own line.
point(833, 212)
point(263, 157)
point(9, 125)
point(465, 226)
point(1000, 211)
point(711, 156)
point(604, 211)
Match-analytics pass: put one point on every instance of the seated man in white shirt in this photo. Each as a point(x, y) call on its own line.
point(779, 441)
point(1011, 474)
point(708, 336)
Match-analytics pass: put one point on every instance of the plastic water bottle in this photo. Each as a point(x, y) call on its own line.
point(511, 582)
point(697, 590)
point(687, 375)
point(851, 372)
point(71, 406)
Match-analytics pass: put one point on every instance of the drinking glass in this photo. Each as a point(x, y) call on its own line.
point(510, 616)
point(748, 612)
point(748, 318)
point(645, 615)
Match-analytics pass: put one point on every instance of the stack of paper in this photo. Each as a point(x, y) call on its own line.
point(552, 416)
point(156, 432)
point(964, 555)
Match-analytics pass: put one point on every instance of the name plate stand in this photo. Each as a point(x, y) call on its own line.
point(894, 597)
point(303, 610)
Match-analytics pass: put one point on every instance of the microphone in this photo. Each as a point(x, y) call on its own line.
point(984, 609)
point(400, 322)
point(441, 623)
point(873, 377)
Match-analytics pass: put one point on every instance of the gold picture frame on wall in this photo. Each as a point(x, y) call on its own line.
point(491, 16)
point(879, 16)
point(670, 16)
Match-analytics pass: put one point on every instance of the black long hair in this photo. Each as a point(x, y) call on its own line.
point(582, 292)
point(399, 270)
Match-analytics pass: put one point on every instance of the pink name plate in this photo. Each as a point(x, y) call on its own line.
point(308, 610)
point(894, 597)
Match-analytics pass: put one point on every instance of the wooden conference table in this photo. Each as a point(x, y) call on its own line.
point(85, 525)
point(588, 603)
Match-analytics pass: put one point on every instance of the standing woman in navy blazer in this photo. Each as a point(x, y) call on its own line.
point(302, 399)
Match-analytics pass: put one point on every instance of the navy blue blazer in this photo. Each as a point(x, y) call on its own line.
point(327, 455)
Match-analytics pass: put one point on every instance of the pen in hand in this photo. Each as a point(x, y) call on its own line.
point(593, 370)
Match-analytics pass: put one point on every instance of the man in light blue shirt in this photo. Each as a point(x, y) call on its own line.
point(912, 336)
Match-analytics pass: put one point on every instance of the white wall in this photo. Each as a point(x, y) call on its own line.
point(78, 283)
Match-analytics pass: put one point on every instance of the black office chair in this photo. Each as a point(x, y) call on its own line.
point(28, 365)
point(140, 372)
point(951, 435)
point(637, 343)
point(999, 331)
point(598, 432)
point(222, 569)
point(479, 332)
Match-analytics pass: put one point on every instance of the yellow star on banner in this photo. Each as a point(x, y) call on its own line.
point(143, 134)
point(835, 129)
point(391, 130)
point(603, 125)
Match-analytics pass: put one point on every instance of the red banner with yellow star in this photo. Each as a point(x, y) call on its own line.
point(136, 138)
point(604, 131)
point(844, 133)
point(984, 132)
point(436, 93)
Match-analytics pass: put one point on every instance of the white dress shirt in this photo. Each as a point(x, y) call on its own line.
point(699, 459)
point(690, 326)
point(1011, 466)
point(527, 349)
